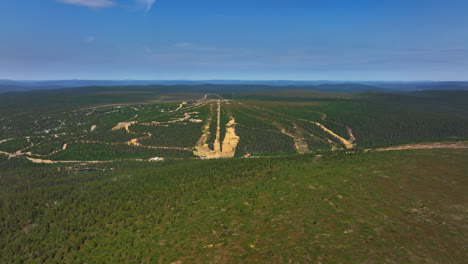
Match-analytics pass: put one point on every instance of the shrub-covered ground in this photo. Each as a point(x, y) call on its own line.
point(377, 207)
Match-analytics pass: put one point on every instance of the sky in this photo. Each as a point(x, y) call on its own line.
point(405, 40)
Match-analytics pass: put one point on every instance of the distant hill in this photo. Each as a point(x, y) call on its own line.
point(230, 86)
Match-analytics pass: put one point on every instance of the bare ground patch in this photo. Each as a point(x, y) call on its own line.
point(125, 125)
point(436, 145)
point(345, 142)
point(229, 143)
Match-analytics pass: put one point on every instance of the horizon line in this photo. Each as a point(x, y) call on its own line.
point(236, 80)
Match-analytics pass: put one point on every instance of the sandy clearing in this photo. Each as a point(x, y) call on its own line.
point(180, 106)
point(134, 142)
point(17, 153)
point(436, 145)
point(229, 145)
point(41, 161)
point(217, 144)
point(201, 148)
point(156, 159)
point(345, 142)
point(93, 127)
point(186, 117)
point(64, 147)
point(352, 139)
point(230, 140)
point(124, 125)
point(299, 144)
point(61, 134)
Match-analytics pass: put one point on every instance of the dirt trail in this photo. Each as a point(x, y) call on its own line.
point(180, 106)
point(229, 143)
point(202, 147)
point(323, 117)
point(134, 142)
point(206, 96)
point(342, 140)
point(301, 146)
point(5, 140)
point(187, 116)
point(231, 140)
point(217, 144)
point(437, 145)
point(41, 161)
point(44, 161)
point(3, 152)
point(352, 139)
point(299, 143)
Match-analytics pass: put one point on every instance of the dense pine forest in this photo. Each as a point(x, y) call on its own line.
point(115, 175)
point(299, 209)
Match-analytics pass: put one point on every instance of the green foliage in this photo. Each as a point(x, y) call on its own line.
point(382, 120)
point(176, 135)
point(105, 134)
point(297, 208)
point(211, 137)
point(102, 151)
point(254, 141)
point(224, 119)
point(47, 146)
point(238, 210)
point(317, 144)
point(14, 145)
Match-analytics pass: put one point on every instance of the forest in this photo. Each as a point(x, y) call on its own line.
point(126, 178)
point(240, 210)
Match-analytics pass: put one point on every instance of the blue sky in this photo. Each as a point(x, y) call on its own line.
point(234, 39)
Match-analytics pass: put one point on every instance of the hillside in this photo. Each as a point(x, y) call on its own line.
point(379, 207)
point(116, 174)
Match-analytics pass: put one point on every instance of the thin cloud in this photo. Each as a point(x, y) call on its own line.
point(148, 4)
point(183, 45)
point(189, 45)
point(89, 39)
point(89, 3)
